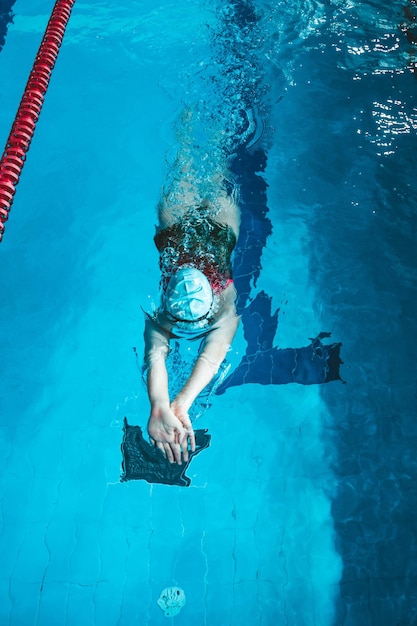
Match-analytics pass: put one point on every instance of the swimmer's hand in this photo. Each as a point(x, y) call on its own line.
point(170, 433)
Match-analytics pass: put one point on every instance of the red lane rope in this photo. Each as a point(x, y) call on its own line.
point(27, 115)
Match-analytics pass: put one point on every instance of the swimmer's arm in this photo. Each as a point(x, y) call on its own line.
point(156, 351)
point(156, 343)
point(167, 431)
point(215, 348)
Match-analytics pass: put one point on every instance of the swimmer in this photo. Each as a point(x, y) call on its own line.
point(195, 237)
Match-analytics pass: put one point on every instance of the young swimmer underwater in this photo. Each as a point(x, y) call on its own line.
point(195, 238)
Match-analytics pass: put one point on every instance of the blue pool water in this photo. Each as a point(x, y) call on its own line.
point(302, 510)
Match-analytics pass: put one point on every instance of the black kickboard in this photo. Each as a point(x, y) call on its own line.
point(141, 461)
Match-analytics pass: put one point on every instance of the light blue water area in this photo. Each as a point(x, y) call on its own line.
point(301, 512)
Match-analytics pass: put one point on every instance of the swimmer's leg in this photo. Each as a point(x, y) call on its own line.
point(177, 201)
point(190, 186)
point(228, 211)
point(181, 191)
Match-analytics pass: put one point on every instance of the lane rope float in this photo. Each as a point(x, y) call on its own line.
point(23, 127)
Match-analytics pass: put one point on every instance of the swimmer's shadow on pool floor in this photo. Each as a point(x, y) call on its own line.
point(141, 461)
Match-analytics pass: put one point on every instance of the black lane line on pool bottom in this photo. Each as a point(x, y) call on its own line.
point(6, 17)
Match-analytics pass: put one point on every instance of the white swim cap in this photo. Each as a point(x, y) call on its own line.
point(188, 297)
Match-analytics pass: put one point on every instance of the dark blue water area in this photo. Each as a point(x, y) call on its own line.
point(302, 511)
point(354, 172)
point(365, 277)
